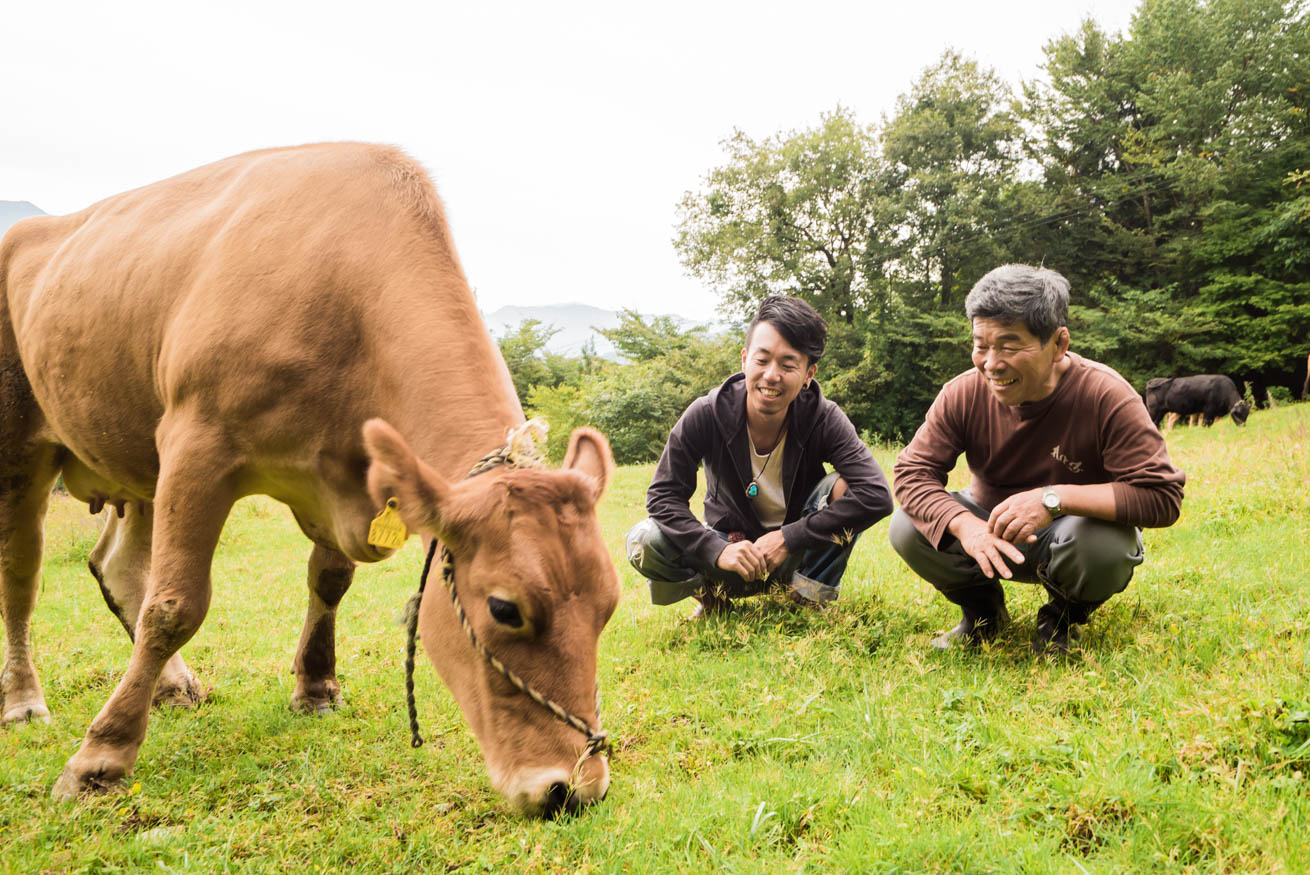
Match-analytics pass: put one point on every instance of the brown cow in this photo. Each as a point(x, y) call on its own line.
point(228, 332)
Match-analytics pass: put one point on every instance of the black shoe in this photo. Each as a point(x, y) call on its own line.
point(1056, 634)
point(973, 631)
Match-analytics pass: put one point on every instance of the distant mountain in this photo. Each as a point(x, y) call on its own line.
point(12, 211)
point(577, 324)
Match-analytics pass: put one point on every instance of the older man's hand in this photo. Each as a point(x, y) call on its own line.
point(989, 551)
point(1017, 518)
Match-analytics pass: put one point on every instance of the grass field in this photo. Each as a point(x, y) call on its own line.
point(1177, 738)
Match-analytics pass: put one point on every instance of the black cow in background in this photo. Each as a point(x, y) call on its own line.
point(1211, 395)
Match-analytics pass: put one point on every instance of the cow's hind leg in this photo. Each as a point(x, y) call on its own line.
point(330, 575)
point(26, 476)
point(195, 486)
point(120, 563)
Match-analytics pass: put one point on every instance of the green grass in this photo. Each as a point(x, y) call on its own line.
point(1177, 739)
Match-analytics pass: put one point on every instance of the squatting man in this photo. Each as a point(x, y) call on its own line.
point(1066, 468)
point(774, 516)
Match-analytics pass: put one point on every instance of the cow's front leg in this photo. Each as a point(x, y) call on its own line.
point(24, 495)
point(120, 563)
point(192, 501)
point(317, 690)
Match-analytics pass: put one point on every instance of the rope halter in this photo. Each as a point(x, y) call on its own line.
point(520, 451)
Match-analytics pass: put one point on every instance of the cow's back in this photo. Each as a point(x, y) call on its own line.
point(1210, 395)
point(256, 291)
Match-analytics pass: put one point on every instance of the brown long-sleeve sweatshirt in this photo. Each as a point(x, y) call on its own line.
point(1092, 429)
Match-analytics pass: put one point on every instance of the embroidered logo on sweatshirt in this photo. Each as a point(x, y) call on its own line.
point(1064, 460)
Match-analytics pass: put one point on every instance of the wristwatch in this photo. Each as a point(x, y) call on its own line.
point(1051, 501)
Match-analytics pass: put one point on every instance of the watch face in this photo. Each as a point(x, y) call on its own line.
point(1051, 500)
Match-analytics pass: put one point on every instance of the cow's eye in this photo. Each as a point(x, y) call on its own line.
point(506, 613)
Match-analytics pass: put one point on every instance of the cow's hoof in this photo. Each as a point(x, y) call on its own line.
point(319, 697)
point(177, 686)
point(316, 705)
point(76, 780)
point(182, 695)
point(26, 712)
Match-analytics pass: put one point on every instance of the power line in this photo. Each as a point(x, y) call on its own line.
point(1111, 202)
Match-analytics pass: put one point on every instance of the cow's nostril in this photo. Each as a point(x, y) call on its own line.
point(557, 798)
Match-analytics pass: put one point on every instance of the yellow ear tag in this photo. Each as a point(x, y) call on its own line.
point(387, 529)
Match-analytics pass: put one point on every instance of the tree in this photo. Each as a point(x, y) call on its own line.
point(804, 212)
point(637, 403)
point(531, 364)
point(880, 231)
point(1092, 217)
point(885, 375)
point(1183, 142)
point(953, 148)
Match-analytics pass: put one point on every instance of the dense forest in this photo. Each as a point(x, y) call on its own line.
point(1165, 171)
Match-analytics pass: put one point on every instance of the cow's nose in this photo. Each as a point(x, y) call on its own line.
point(559, 799)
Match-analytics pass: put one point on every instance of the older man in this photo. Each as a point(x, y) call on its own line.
point(775, 517)
point(1066, 468)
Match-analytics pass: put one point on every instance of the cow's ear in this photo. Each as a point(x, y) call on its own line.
point(396, 472)
point(589, 453)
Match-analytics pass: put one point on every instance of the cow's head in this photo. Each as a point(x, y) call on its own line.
point(537, 584)
point(1240, 411)
point(1154, 397)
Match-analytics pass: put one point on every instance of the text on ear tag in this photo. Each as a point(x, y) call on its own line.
point(387, 529)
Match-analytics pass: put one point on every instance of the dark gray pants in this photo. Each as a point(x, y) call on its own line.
point(1080, 561)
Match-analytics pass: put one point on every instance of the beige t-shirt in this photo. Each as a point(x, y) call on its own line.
point(770, 504)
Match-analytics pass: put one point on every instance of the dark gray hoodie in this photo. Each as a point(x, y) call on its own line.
point(712, 432)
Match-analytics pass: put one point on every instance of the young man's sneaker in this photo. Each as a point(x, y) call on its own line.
point(798, 600)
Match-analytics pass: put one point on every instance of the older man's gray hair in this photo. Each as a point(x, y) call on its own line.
point(1035, 296)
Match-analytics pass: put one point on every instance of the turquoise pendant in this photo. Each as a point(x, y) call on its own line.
point(753, 490)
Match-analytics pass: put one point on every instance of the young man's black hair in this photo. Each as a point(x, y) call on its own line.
point(798, 323)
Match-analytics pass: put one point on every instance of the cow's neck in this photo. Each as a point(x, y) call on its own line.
point(456, 396)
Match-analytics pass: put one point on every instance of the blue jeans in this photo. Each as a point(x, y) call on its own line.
point(815, 573)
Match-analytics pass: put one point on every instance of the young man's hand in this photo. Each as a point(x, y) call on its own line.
point(774, 548)
point(744, 559)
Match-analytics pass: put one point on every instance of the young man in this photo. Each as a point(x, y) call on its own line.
point(773, 517)
point(1065, 463)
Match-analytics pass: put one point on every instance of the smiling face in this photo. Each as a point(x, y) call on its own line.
point(775, 372)
point(1018, 367)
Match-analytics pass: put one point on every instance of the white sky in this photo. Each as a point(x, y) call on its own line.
point(561, 135)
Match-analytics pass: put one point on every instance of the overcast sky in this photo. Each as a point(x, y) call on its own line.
point(561, 135)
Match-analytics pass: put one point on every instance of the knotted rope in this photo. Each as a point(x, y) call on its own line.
point(520, 451)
